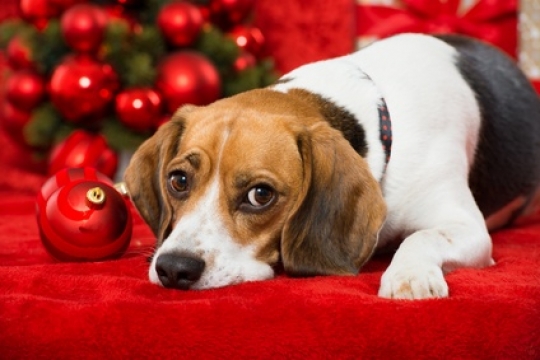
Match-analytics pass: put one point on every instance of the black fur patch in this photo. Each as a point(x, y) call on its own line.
point(339, 118)
point(507, 159)
point(283, 80)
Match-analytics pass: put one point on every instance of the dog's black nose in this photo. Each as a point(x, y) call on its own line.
point(179, 271)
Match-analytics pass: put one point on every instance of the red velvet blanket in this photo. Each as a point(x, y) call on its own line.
point(109, 310)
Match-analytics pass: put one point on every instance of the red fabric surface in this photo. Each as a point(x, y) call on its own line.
point(109, 310)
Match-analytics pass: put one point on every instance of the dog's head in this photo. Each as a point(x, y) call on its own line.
point(236, 187)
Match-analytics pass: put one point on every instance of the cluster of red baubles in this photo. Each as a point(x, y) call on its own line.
point(83, 88)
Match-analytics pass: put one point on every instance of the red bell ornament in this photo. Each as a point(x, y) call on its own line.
point(139, 108)
point(83, 149)
point(187, 77)
point(81, 88)
point(83, 27)
point(180, 22)
point(25, 89)
point(81, 217)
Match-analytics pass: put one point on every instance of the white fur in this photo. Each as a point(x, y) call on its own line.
point(202, 233)
point(435, 121)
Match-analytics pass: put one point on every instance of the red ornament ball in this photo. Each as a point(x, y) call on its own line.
point(130, 3)
point(82, 87)
point(249, 39)
point(13, 121)
point(230, 12)
point(25, 89)
point(187, 77)
point(83, 27)
point(118, 14)
point(83, 149)
point(244, 61)
point(66, 176)
point(62, 5)
point(180, 22)
point(139, 108)
point(37, 12)
point(81, 217)
point(19, 54)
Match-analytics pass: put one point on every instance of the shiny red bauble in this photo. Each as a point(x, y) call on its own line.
point(37, 12)
point(83, 27)
point(83, 149)
point(13, 121)
point(244, 61)
point(81, 217)
point(187, 77)
point(62, 5)
point(230, 12)
point(130, 3)
point(81, 88)
point(25, 89)
point(19, 54)
point(139, 108)
point(180, 22)
point(248, 38)
point(118, 14)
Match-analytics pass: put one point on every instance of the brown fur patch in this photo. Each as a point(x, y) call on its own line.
point(404, 288)
point(328, 208)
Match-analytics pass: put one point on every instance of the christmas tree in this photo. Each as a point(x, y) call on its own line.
point(90, 78)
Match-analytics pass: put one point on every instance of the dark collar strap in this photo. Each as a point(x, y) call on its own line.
point(385, 129)
point(385, 124)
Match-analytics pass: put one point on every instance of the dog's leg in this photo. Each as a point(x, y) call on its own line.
point(448, 233)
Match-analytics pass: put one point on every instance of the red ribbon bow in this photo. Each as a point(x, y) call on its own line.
point(494, 21)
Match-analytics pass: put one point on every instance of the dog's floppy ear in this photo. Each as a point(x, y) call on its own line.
point(145, 176)
point(334, 224)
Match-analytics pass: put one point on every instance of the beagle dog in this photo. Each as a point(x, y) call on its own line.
point(418, 144)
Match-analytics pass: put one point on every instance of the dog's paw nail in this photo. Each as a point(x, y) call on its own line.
point(414, 282)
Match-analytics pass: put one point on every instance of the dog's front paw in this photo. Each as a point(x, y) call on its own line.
point(413, 281)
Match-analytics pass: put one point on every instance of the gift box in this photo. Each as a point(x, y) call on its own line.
point(494, 21)
point(529, 39)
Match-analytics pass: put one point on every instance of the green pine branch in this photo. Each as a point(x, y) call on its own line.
point(120, 137)
point(219, 48)
point(10, 28)
point(49, 47)
point(43, 126)
point(135, 55)
point(259, 76)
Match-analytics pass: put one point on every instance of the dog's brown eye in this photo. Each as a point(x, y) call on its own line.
point(260, 196)
point(178, 181)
